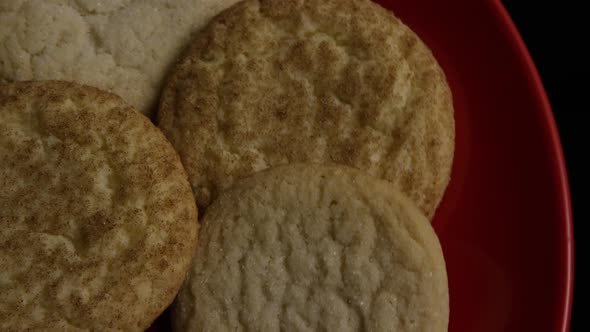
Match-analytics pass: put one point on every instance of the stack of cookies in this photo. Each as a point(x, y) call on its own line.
point(314, 137)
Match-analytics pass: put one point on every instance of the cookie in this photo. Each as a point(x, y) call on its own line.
point(97, 219)
point(271, 82)
point(123, 46)
point(314, 248)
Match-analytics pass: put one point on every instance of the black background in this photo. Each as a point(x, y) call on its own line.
point(556, 33)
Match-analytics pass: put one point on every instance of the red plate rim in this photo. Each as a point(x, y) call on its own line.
point(558, 166)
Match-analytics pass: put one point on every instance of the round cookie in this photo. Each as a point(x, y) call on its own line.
point(124, 46)
point(270, 82)
point(314, 248)
point(98, 224)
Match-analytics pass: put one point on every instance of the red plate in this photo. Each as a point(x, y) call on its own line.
point(505, 222)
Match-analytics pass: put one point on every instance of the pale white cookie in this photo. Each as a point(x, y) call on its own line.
point(125, 46)
point(314, 248)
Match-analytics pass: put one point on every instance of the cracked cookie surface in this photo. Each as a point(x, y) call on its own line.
point(97, 219)
point(271, 82)
point(314, 248)
point(124, 46)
